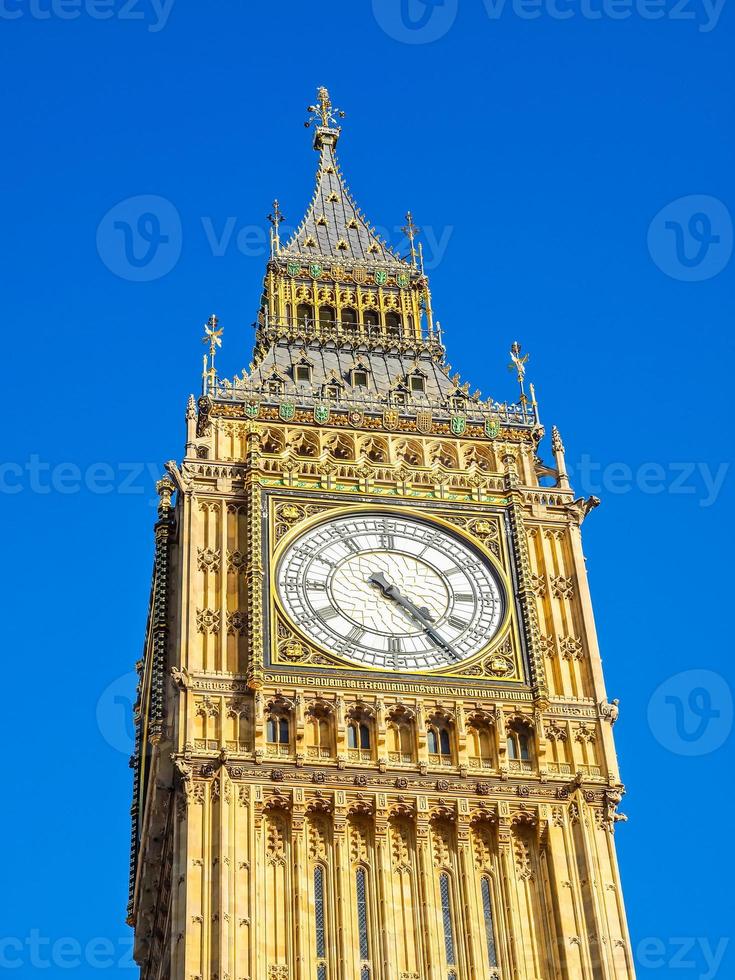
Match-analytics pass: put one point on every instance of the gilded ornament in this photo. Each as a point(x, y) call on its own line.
point(356, 418)
point(252, 409)
point(402, 279)
point(315, 270)
point(381, 277)
point(321, 414)
point(286, 411)
point(293, 268)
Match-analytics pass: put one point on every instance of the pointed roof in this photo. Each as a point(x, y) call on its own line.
point(334, 226)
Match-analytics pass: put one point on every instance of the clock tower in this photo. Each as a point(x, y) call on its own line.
point(373, 740)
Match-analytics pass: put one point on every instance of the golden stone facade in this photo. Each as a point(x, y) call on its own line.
point(309, 806)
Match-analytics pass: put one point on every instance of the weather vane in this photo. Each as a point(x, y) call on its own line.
point(411, 231)
point(518, 364)
point(213, 337)
point(275, 219)
point(323, 113)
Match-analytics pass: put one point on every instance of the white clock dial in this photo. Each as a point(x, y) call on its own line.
point(390, 592)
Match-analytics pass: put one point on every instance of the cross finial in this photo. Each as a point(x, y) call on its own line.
point(411, 231)
point(275, 218)
point(323, 113)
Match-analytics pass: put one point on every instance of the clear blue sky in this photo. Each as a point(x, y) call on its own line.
point(540, 149)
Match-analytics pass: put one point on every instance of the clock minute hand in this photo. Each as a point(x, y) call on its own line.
point(420, 614)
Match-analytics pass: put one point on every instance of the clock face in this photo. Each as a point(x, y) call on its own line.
point(390, 592)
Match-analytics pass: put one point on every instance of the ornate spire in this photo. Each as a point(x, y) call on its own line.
point(323, 113)
point(334, 227)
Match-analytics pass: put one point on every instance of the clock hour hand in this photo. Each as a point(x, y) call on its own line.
point(420, 613)
point(390, 591)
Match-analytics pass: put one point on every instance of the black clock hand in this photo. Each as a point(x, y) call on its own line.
point(391, 591)
point(421, 614)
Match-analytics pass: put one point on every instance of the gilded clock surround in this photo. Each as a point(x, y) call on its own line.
point(299, 816)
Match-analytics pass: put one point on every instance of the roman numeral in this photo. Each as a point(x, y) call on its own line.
point(387, 541)
point(328, 612)
point(313, 586)
point(462, 597)
point(351, 545)
point(355, 634)
point(458, 624)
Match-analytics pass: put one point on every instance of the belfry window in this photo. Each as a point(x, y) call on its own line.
point(326, 316)
point(302, 372)
point(359, 378)
point(418, 384)
point(304, 314)
point(393, 324)
point(371, 319)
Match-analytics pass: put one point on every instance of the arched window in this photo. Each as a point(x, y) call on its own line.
point(519, 748)
point(349, 317)
point(278, 734)
point(358, 735)
point(370, 319)
point(304, 314)
point(393, 324)
point(439, 743)
point(400, 741)
point(318, 734)
point(480, 745)
point(326, 316)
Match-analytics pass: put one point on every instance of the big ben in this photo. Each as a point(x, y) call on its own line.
point(373, 738)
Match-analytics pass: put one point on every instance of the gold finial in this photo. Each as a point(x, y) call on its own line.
point(275, 218)
point(323, 113)
point(411, 231)
point(518, 364)
point(213, 337)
